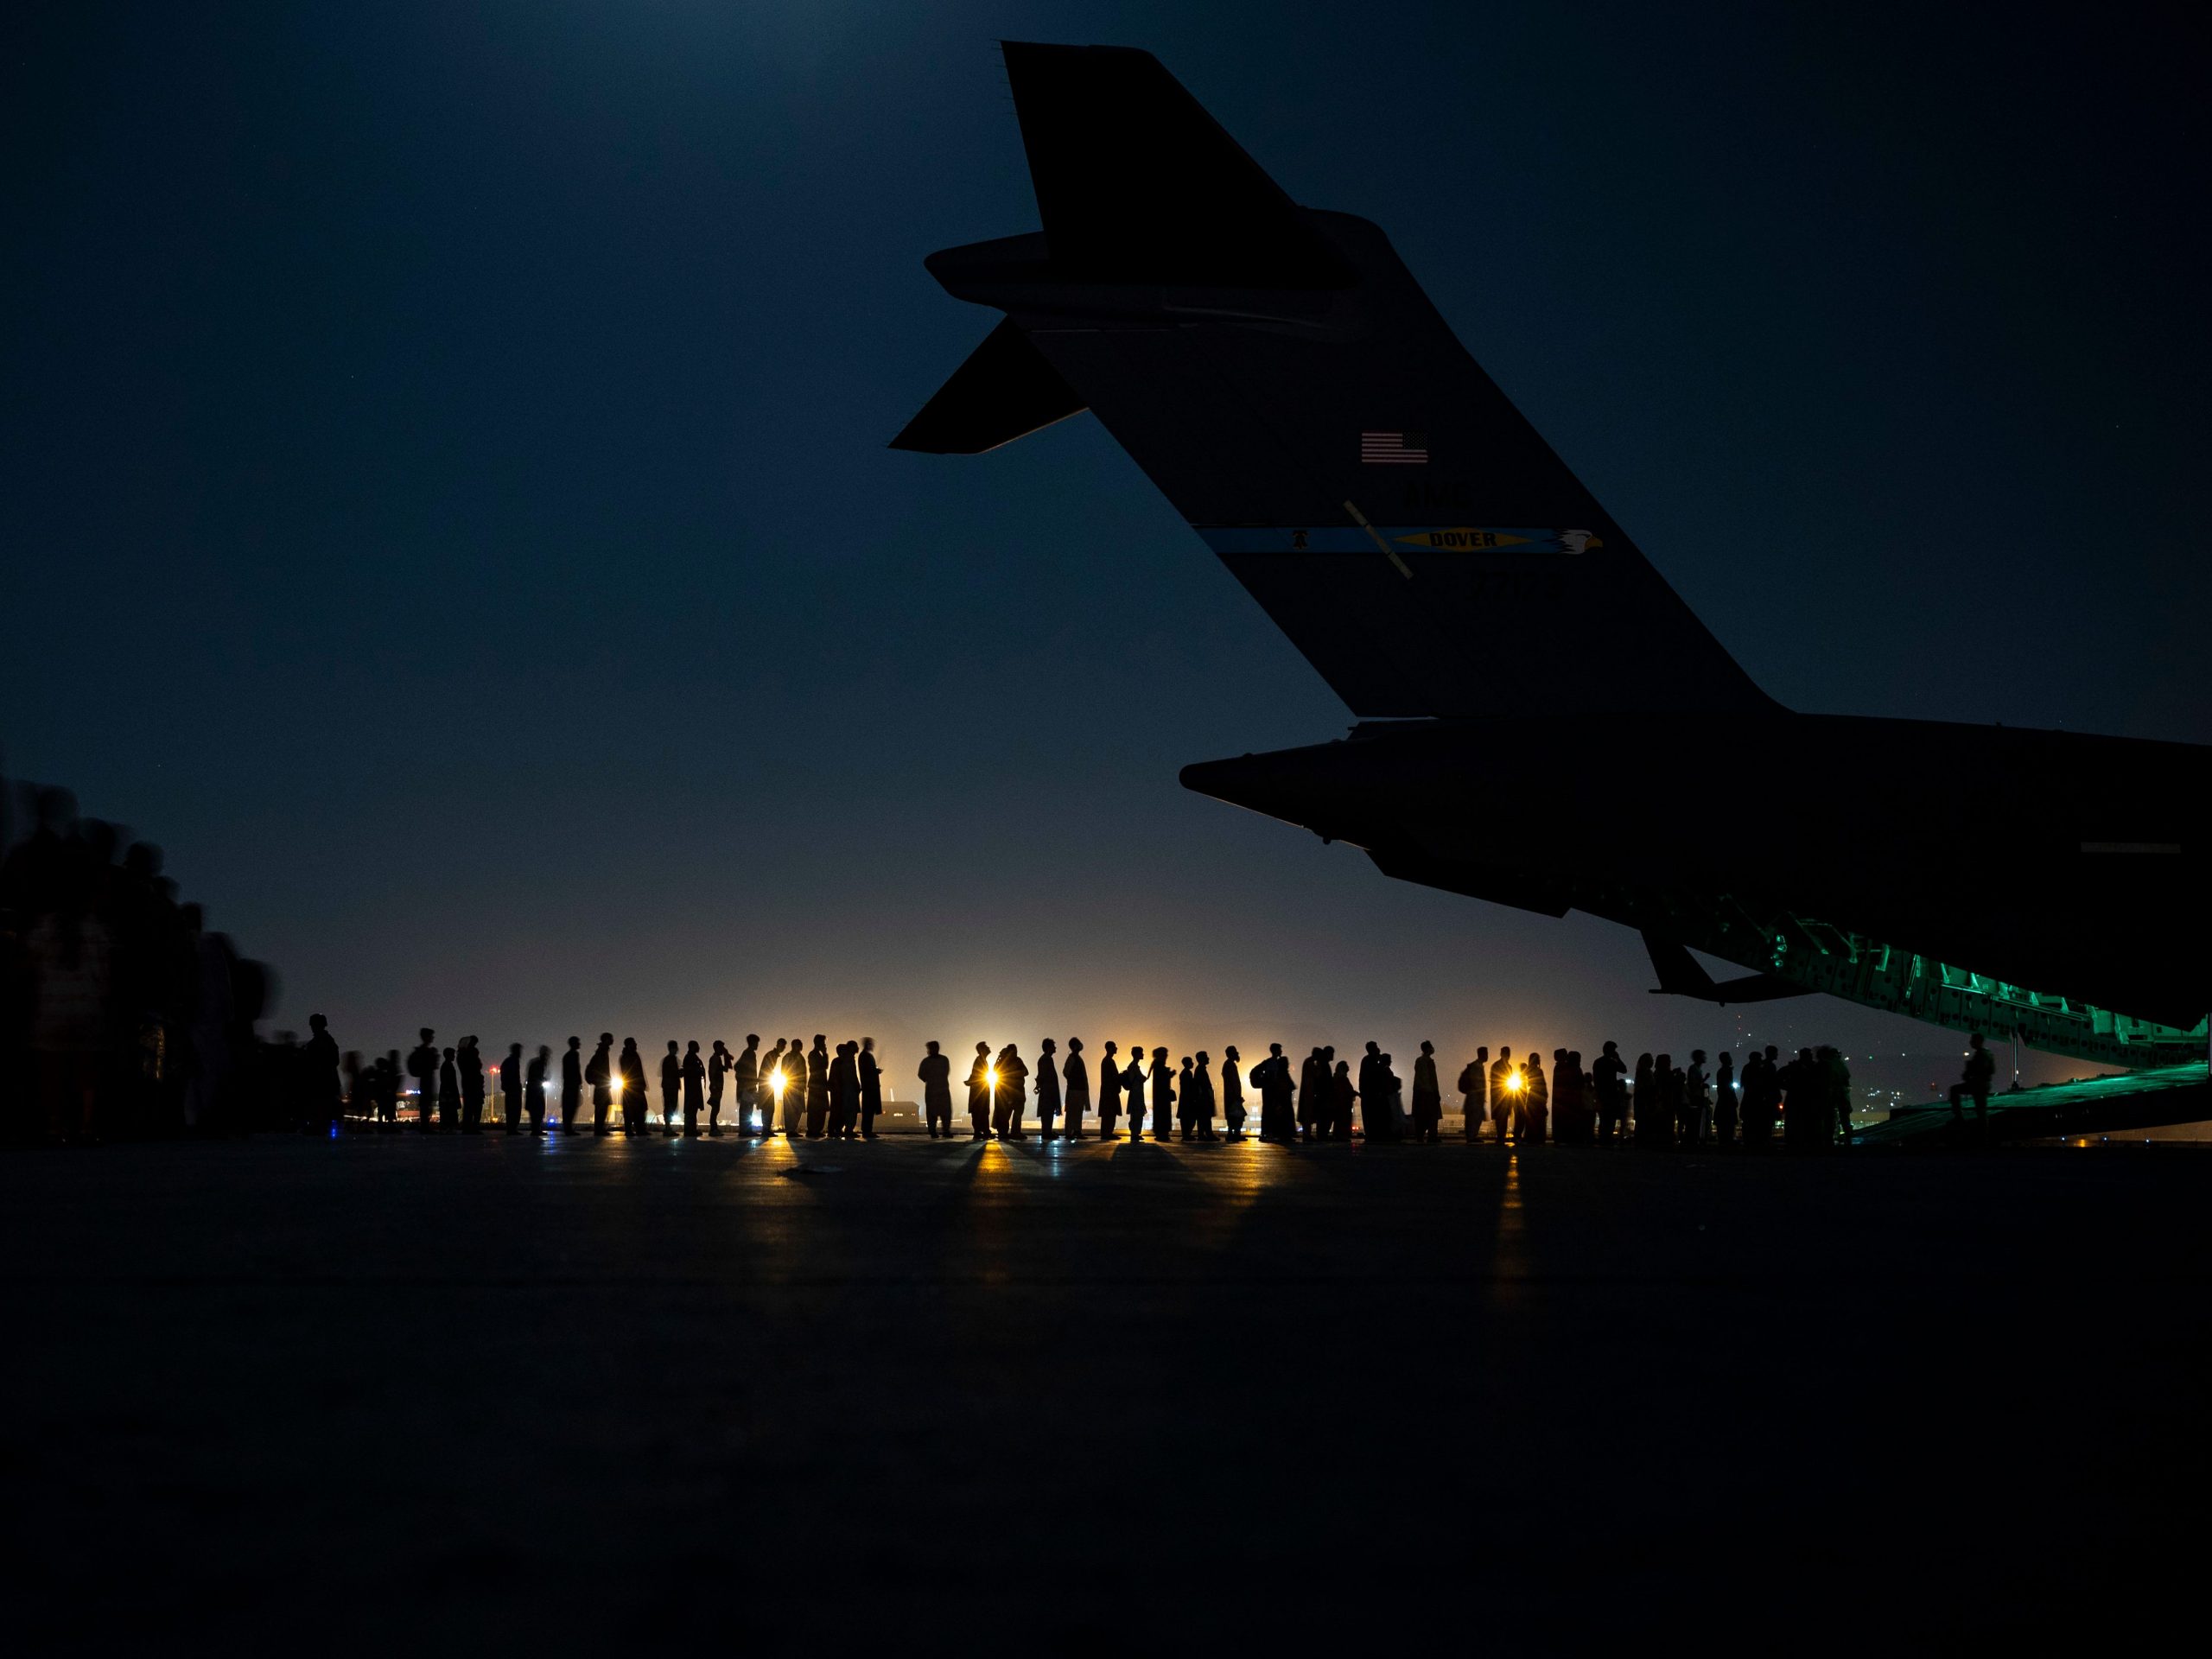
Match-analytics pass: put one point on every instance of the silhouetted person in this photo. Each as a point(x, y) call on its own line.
point(1605, 1083)
point(671, 1086)
point(1315, 1096)
point(1184, 1100)
point(746, 1073)
point(844, 1092)
point(1372, 1106)
point(1162, 1080)
point(1429, 1096)
point(1202, 1101)
point(1504, 1105)
point(718, 1070)
point(1133, 1092)
point(818, 1087)
point(1232, 1093)
point(1077, 1095)
point(695, 1086)
point(601, 1075)
point(1048, 1088)
point(388, 1104)
point(511, 1071)
point(319, 1060)
point(980, 1107)
point(871, 1087)
point(423, 1066)
point(471, 1062)
point(1272, 1078)
point(1804, 1115)
point(1110, 1093)
point(449, 1107)
point(1343, 1092)
point(1762, 1096)
point(1014, 1092)
point(1835, 1089)
point(540, 1064)
point(936, 1075)
point(1724, 1099)
point(636, 1104)
point(775, 1076)
point(1980, 1073)
point(572, 1083)
point(1697, 1103)
point(1536, 1114)
point(1474, 1095)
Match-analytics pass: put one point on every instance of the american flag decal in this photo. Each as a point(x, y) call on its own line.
point(1393, 449)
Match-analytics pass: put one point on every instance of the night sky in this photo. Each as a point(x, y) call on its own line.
point(443, 496)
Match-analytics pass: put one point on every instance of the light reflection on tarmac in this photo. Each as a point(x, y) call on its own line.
point(942, 1394)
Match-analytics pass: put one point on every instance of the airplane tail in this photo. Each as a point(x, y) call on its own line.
point(1280, 377)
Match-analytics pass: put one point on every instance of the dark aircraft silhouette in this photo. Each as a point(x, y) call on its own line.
point(1279, 374)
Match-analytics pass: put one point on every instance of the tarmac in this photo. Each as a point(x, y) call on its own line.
point(949, 1397)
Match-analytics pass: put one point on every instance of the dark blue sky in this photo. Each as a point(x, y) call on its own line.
point(443, 496)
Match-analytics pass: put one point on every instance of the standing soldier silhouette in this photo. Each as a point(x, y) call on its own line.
point(511, 1090)
point(1110, 1093)
point(936, 1075)
point(1048, 1089)
point(1077, 1097)
point(1981, 1071)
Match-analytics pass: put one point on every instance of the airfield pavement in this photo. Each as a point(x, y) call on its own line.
point(944, 1396)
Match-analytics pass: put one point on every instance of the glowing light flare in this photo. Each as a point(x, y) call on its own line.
point(1515, 1083)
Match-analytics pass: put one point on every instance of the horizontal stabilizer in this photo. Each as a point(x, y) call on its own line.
point(1680, 975)
point(1136, 182)
point(1005, 391)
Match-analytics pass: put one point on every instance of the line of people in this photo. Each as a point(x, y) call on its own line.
point(815, 1092)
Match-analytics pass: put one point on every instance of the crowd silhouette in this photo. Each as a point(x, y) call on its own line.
point(813, 1092)
point(125, 1015)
